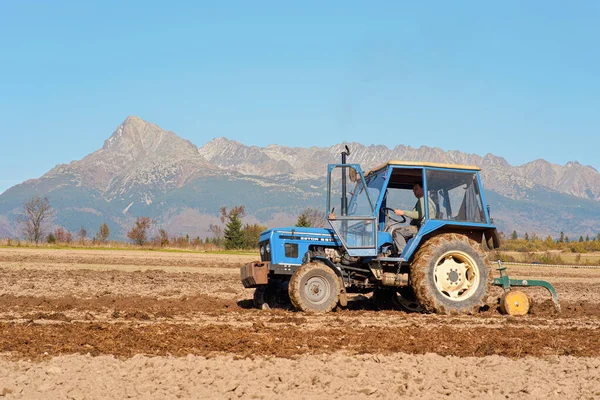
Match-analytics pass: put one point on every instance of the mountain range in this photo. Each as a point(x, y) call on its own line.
point(143, 170)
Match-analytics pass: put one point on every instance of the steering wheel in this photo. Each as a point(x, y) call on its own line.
point(389, 212)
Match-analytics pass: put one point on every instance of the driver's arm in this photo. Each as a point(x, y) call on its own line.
point(414, 214)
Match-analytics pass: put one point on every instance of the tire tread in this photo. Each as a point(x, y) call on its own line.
point(421, 265)
point(294, 288)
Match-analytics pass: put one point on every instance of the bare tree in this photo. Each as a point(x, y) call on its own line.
point(37, 212)
point(163, 237)
point(139, 232)
point(226, 216)
point(315, 218)
point(82, 234)
point(60, 234)
point(217, 232)
point(103, 233)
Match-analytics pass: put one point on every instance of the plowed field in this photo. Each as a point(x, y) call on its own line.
point(141, 324)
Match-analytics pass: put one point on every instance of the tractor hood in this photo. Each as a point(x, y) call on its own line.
point(324, 235)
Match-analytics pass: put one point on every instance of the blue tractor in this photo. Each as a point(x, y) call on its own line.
point(441, 269)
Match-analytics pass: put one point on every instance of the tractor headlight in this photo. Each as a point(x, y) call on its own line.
point(268, 247)
point(262, 250)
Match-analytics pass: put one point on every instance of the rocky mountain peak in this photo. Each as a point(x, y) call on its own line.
point(138, 138)
point(218, 147)
point(232, 155)
point(132, 129)
point(490, 160)
point(137, 154)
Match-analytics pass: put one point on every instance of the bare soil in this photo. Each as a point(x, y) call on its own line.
point(141, 324)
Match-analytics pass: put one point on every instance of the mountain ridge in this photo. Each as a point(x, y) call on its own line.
point(142, 169)
point(563, 179)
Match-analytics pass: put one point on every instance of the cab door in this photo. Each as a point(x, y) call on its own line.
point(350, 209)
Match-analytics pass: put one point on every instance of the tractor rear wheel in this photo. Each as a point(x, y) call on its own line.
point(314, 287)
point(450, 274)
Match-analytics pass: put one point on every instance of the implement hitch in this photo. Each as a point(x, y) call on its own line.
point(515, 302)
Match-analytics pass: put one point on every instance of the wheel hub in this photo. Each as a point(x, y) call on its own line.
point(453, 276)
point(514, 302)
point(456, 276)
point(317, 289)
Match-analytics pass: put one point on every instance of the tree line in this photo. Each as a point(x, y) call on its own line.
point(532, 242)
point(232, 233)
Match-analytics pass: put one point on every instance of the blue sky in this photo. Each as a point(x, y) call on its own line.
point(517, 79)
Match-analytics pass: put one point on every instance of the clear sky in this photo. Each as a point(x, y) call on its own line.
point(519, 79)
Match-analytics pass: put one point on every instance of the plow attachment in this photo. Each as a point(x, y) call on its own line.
point(515, 302)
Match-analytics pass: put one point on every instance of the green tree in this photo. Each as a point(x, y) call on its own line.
point(514, 235)
point(233, 235)
point(51, 238)
point(526, 237)
point(561, 239)
point(580, 238)
point(303, 221)
point(252, 235)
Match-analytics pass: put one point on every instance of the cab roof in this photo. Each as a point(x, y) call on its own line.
point(401, 163)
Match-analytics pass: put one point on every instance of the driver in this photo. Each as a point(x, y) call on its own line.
point(417, 214)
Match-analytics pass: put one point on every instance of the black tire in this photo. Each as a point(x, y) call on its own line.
point(450, 274)
point(259, 297)
point(406, 300)
point(402, 299)
point(314, 287)
point(273, 295)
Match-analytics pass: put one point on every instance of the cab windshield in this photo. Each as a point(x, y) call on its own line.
point(358, 200)
point(363, 206)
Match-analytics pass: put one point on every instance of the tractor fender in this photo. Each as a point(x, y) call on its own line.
point(492, 238)
point(342, 295)
point(328, 262)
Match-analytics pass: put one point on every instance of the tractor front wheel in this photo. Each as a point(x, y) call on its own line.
point(272, 295)
point(450, 274)
point(314, 287)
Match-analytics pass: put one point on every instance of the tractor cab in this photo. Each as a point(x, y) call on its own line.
point(452, 197)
